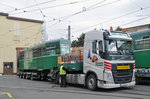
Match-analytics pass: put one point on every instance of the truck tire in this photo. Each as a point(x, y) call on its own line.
point(92, 82)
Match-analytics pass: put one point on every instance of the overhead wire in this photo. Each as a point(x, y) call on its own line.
point(39, 9)
point(114, 18)
point(7, 5)
point(32, 6)
point(59, 5)
point(134, 3)
point(135, 21)
point(89, 8)
point(132, 12)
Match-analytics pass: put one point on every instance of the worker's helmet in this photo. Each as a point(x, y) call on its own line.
point(62, 63)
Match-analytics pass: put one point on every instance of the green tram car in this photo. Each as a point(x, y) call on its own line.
point(141, 40)
point(37, 61)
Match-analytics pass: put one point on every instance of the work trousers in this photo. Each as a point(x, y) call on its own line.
point(63, 81)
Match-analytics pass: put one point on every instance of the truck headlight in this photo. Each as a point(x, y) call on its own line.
point(109, 77)
point(133, 78)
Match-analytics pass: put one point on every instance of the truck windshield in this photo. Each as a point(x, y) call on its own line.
point(119, 49)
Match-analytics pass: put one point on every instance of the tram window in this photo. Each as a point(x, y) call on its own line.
point(138, 38)
point(57, 49)
point(142, 44)
point(35, 53)
point(145, 37)
point(65, 49)
point(39, 52)
point(21, 56)
point(43, 51)
point(51, 50)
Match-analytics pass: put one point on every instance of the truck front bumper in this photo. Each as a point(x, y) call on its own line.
point(108, 86)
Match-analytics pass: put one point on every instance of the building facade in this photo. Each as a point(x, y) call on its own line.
point(137, 28)
point(16, 34)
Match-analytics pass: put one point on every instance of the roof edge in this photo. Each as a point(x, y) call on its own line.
point(18, 18)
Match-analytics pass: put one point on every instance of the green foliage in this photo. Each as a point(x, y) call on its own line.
point(118, 28)
point(79, 41)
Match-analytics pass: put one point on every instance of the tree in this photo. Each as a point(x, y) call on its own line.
point(118, 28)
point(79, 41)
point(74, 43)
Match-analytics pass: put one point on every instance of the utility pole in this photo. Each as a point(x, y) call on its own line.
point(69, 32)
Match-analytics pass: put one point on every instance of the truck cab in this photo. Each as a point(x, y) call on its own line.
point(108, 60)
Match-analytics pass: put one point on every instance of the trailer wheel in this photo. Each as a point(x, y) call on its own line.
point(32, 77)
point(21, 76)
point(92, 82)
point(24, 76)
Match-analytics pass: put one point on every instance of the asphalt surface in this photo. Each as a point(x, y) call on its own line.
point(12, 87)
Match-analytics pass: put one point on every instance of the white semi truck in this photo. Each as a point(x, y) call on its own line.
point(108, 61)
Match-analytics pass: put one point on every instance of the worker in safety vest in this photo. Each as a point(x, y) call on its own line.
point(63, 75)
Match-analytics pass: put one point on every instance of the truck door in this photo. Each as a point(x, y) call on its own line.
point(96, 58)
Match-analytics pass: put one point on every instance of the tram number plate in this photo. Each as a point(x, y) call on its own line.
point(123, 67)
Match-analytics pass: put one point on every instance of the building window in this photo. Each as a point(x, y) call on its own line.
point(16, 31)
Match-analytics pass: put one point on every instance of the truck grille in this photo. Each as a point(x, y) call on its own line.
point(122, 76)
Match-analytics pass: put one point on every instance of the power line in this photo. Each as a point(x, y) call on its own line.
point(115, 18)
point(64, 4)
point(39, 9)
point(32, 6)
point(89, 8)
point(134, 3)
point(7, 5)
point(135, 21)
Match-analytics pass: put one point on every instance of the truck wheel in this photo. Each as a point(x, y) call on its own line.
point(92, 82)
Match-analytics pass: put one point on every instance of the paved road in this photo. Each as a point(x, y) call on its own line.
point(27, 89)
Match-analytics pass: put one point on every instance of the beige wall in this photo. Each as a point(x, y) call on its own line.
point(30, 34)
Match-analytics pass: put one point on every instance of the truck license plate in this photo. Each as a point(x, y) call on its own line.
point(123, 67)
point(123, 85)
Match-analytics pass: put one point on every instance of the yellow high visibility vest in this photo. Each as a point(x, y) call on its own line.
point(62, 72)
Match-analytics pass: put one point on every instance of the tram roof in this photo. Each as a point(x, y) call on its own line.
point(43, 43)
point(140, 32)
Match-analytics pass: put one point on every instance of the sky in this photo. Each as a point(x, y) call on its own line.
point(81, 15)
